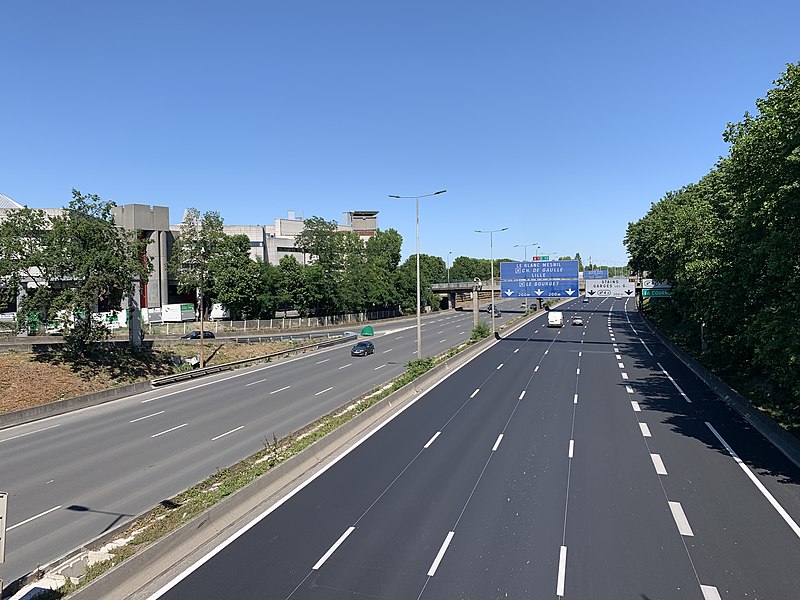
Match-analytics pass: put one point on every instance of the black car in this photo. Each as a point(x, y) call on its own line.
point(362, 349)
point(195, 335)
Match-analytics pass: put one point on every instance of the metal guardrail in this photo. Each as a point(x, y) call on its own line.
point(227, 366)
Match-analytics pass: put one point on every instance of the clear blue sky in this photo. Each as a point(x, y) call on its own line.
point(561, 121)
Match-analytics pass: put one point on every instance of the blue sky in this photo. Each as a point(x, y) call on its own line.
point(560, 121)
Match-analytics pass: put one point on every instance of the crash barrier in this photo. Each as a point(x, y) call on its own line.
point(227, 366)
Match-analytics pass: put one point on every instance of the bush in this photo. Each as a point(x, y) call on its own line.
point(480, 331)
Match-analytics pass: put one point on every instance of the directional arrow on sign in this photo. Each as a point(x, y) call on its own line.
point(509, 292)
point(539, 292)
point(570, 291)
point(628, 292)
point(591, 292)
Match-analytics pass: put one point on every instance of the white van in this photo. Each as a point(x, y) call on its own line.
point(555, 319)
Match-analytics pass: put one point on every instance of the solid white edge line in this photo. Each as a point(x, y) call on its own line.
point(28, 520)
point(497, 443)
point(645, 430)
point(168, 430)
point(333, 548)
point(430, 441)
point(323, 391)
point(710, 592)
point(440, 555)
point(562, 571)
point(658, 464)
point(571, 448)
point(475, 393)
point(29, 433)
point(279, 390)
point(522, 395)
point(214, 439)
point(161, 412)
point(635, 406)
point(680, 519)
point(789, 521)
point(270, 509)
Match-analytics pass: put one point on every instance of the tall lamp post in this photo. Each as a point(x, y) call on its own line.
point(419, 310)
point(524, 258)
point(448, 266)
point(491, 233)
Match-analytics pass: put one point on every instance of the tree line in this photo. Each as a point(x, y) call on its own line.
point(730, 246)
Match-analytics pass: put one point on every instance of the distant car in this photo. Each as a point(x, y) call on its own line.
point(497, 312)
point(489, 308)
point(585, 299)
point(362, 349)
point(577, 320)
point(195, 335)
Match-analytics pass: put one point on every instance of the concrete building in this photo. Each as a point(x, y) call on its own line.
point(268, 243)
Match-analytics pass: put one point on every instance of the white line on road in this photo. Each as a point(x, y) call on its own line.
point(645, 347)
point(345, 366)
point(629, 389)
point(440, 555)
point(522, 395)
point(254, 383)
point(619, 357)
point(399, 337)
point(21, 523)
point(578, 370)
point(635, 406)
point(580, 354)
point(29, 433)
point(497, 443)
point(168, 430)
point(323, 391)
point(536, 368)
point(575, 399)
point(658, 464)
point(430, 441)
point(625, 376)
point(562, 571)
point(571, 448)
point(680, 519)
point(546, 351)
point(710, 592)
point(333, 548)
point(319, 362)
point(376, 368)
point(161, 412)
point(214, 439)
point(677, 387)
point(789, 521)
point(517, 350)
point(389, 350)
point(621, 365)
point(444, 340)
point(500, 366)
point(475, 393)
point(286, 387)
point(645, 429)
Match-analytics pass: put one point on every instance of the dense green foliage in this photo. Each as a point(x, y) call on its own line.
point(73, 266)
point(730, 245)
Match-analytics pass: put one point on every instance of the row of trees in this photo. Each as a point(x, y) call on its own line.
point(729, 244)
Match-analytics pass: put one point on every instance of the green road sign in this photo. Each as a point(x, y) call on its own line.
point(656, 293)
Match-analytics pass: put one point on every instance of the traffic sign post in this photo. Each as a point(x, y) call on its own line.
point(539, 279)
point(3, 513)
point(656, 293)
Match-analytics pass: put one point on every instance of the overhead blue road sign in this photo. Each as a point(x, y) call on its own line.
point(540, 269)
point(540, 288)
point(596, 274)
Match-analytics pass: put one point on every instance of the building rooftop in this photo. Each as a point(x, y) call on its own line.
point(6, 202)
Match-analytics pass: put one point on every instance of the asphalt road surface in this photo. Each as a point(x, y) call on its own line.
point(578, 462)
point(73, 477)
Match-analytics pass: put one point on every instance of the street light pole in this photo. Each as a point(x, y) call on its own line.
point(448, 266)
point(491, 263)
point(524, 258)
point(419, 307)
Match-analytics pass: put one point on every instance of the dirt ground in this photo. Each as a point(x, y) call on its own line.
point(32, 379)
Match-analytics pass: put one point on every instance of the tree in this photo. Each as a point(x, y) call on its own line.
point(74, 264)
point(234, 278)
point(200, 240)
